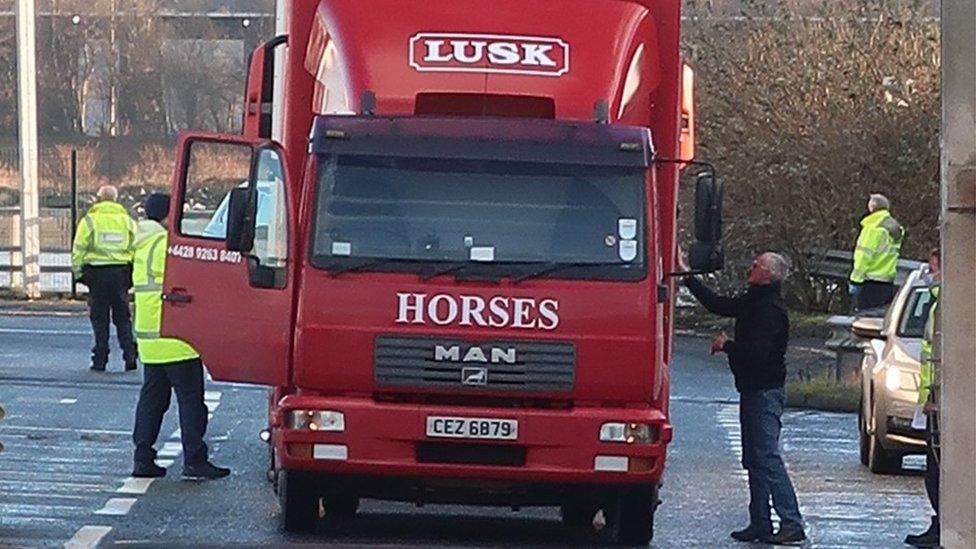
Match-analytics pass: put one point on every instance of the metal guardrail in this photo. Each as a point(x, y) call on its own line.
point(56, 274)
point(837, 264)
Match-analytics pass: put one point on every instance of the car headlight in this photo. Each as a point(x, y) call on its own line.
point(628, 433)
point(316, 420)
point(893, 378)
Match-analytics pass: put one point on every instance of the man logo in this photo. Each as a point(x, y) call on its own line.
point(494, 355)
point(477, 377)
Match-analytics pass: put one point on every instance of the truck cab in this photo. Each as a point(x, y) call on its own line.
point(459, 288)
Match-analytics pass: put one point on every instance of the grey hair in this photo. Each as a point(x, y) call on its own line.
point(108, 193)
point(879, 202)
point(777, 265)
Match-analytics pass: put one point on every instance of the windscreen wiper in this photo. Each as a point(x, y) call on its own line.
point(453, 268)
point(359, 266)
point(554, 267)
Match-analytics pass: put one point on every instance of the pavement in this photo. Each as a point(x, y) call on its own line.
point(64, 473)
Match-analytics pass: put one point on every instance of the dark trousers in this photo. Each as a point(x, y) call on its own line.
point(760, 415)
point(186, 380)
point(108, 301)
point(874, 295)
point(932, 459)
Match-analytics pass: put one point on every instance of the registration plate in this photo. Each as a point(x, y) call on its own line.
point(472, 428)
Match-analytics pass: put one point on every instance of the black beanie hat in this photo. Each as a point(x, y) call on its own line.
point(157, 206)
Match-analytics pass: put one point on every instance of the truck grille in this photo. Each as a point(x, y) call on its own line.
point(494, 365)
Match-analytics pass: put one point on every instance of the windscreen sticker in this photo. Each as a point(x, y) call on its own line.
point(468, 241)
point(342, 248)
point(628, 250)
point(483, 253)
point(627, 227)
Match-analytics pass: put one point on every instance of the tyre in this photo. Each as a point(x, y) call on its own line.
point(881, 461)
point(578, 514)
point(632, 517)
point(863, 436)
point(299, 501)
point(340, 506)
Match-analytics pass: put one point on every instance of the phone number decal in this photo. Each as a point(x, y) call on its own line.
point(209, 255)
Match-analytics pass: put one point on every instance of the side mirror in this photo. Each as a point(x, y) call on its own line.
point(240, 221)
point(868, 328)
point(707, 254)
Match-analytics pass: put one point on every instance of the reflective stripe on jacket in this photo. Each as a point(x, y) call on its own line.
point(878, 248)
point(104, 237)
point(149, 263)
point(927, 370)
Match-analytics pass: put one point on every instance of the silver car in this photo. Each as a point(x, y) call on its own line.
point(890, 378)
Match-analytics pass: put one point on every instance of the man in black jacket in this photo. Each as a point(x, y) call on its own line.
point(757, 357)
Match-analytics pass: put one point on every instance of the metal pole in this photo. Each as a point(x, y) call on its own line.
point(957, 303)
point(74, 212)
point(30, 230)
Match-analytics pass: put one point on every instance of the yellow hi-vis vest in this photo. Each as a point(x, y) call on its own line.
point(927, 371)
point(878, 248)
point(148, 265)
point(104, 237)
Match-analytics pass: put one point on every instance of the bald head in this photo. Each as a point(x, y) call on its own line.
point(108, 193)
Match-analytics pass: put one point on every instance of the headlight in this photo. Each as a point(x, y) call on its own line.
point(316, 420)
point(628, 433)
point(893, 378)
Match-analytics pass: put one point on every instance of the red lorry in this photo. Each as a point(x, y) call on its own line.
point(454, 266)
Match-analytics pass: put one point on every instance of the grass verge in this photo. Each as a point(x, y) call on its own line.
point(824, 393)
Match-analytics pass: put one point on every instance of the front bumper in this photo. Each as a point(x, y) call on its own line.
point(898, 432)
point(390, 440)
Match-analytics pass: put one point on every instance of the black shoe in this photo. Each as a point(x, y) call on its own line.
point(131, 366)
point(789, 534)
point(204, 471)
point(148, 470)
point(752, 533)
point(97, 368)
point(927, 537)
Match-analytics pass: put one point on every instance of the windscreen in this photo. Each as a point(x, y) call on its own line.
point(916, 313)
point(495, 218)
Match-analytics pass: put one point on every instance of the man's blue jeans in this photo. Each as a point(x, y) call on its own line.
point(759, 415)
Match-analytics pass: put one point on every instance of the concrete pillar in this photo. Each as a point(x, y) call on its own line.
point(957, 304)
point(30, 221)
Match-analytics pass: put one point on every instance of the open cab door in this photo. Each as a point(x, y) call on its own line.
point(227, 290)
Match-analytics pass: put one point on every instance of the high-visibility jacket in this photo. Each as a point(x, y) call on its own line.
point(104, 237)
point(148, 268)
point(927, 371)
point(878, 248)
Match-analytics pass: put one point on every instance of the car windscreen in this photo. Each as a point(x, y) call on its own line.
point(916, 313)
point(498, 218)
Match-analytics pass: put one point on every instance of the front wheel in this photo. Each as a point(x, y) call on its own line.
point(299, 500)
point(880, 460)
point(631, 519)
point(864, 439)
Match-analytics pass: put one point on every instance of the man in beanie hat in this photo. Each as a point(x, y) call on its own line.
point(170, 364)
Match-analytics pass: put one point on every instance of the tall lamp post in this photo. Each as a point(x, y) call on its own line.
point(30, 229)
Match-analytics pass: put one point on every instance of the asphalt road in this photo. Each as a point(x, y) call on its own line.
point(63, 475)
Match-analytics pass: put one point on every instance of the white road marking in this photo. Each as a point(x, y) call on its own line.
point(87, 537)
point(135, 485)
point(170, 450)
point(164, 463)
point(7, 427)
point(211, 395)
point(68, 400)
point(212, 405)
point(117, 507)
point(43, 332)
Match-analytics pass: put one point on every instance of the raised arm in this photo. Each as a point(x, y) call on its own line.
point(716, 304)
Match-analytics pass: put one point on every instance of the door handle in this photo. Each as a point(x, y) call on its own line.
point(177, 297)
